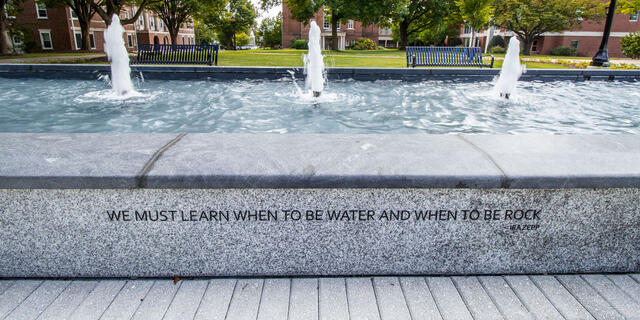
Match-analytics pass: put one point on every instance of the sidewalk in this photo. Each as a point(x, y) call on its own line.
point(595, 296)
point(52, 58)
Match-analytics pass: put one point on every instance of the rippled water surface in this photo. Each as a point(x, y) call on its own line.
point(37, 105)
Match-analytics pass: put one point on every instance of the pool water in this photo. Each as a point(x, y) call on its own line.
point(262, 106)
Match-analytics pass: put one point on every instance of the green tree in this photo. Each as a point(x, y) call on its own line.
point(628, 6)
point(271, 31)
point(204, 33)
point(528, 19)
point(631, 45)
point(84, 12)
point(107, 8)
point(238, 16)
point(413, 18)
point(176, 12)
point(339, 11)
point(476, 14)
point(8, 10)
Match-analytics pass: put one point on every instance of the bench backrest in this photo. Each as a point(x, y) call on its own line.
point(444, 56)
point(177, 54)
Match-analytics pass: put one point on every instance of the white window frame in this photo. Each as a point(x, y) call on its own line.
point(141, 22)
point(350, 24)
point(577, 42)
point(126, 14)
point(6, 11)
point(152, 23)
point(130, 40)
point(46, 13)
point(92, 40)
point(534, 45)
point(72, 13)
point(634, 14)
point(45, 31)
point(326, 25)
point(75, 40)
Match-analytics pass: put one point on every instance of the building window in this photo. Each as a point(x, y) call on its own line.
point(141, 22)
point(350, 24)
point(183, 40)
point(338, 27)
point(41, 10)
point(467, 29)
point(74, 16)
point(92, 41)
point(574, 43)
point(165, 40)
point(534, 45)
point(633, 16)
point(45, 39)
point(160, 25)
point(126, 14)
point(130, 40)
point(327, 23)
point(152, 23)
point(78, 37)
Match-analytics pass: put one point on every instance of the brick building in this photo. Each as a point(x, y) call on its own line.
point(348, 32)
point(586, 38)
point(56, 29)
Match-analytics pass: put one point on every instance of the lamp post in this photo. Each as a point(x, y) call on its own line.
point(601, 59)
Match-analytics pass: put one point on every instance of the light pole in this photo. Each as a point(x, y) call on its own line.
point(601, 59)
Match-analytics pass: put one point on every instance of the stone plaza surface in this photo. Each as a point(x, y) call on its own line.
point(594, 296)
point(283, 205)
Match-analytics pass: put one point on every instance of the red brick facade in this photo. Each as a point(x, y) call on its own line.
point(586, 38)
point(348, 32)
point(55, 30)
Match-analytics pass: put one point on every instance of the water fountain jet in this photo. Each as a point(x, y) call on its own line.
point(314, 64)
point(118, 57)
point(511, 69)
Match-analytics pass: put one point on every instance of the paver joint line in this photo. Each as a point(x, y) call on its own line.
point(141, 176)
point(504, 180)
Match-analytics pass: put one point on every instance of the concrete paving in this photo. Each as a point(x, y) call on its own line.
point(593, 296)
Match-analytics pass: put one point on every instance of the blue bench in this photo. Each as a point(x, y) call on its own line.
point(446, 57)
point(177, 54)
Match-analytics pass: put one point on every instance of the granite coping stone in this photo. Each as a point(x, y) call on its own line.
point(207, 160)
point(88, 71)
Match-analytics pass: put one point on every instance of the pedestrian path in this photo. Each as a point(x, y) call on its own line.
point(594, 296)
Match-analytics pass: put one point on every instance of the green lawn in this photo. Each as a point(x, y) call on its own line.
point(346, 58)
point(388, 58)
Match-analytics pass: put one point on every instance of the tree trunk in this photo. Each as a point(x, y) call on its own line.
point(473, 34)
point(84, 30)
point(404, 34)
point(527, 42)
point(334, 32)
point(4, 45)
point(173, 33)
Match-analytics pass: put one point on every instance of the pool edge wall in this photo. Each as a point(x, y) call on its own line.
point(89, 71)
point(415, 204)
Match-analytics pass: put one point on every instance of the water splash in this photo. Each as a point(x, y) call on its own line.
point(313, 62)
point(511, 70)
point(119, 59)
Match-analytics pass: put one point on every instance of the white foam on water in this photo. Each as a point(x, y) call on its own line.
point(119, 58)
point(511, 70)
point(313, 61)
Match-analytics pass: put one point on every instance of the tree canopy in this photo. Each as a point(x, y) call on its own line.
point(529, 19)
point(176, 12)
point(237, 16)
point(475, 13)
point(270, 31)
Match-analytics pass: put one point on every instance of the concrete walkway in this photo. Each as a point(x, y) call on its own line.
point(486, 297)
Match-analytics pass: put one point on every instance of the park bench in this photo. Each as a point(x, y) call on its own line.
point(446, 57)
point(177, 54)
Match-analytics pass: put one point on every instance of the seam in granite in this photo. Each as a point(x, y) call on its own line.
point(141, 176)
point(504, 179)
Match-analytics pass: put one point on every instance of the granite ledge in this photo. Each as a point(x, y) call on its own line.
point(218, 161)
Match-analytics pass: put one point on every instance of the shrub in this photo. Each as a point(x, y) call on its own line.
point(564, 51)
point(497, 49)
point(497, 41)
point(631, 45)
point(364, 44)
point(300, 44)
point(454, 42)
